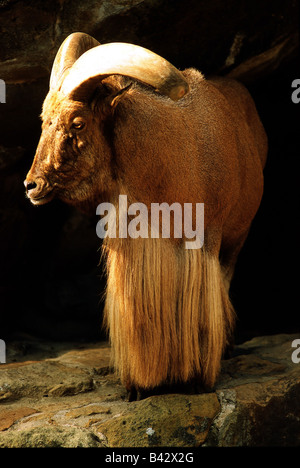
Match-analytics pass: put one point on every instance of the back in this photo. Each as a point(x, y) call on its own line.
point(240, 98)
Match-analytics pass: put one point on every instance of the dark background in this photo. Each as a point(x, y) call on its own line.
point(50, 282)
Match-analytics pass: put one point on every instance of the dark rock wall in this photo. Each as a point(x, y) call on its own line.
point(50, 281)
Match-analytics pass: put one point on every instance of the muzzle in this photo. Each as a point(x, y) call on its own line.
point(38, 190)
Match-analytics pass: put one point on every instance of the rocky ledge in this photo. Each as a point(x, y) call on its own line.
point(65, 395)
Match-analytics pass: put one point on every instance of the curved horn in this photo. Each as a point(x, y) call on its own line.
point(71, 49)
point(123, 59)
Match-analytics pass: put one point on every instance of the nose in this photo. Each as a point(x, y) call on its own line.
point(35, 183)
point(29, 185)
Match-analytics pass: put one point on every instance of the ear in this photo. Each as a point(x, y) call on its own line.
point(105, 98)
point(114, 99)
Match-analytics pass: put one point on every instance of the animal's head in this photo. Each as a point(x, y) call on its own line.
point(73, 160)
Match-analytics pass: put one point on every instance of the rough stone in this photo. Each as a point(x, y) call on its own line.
point(51, 437)
point(73, 399)
point(9, 417)
point(259, 393)
point(42, 379)
point(166, 420)
point(251, 30)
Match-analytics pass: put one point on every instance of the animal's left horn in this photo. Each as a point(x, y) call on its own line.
point(123, 59)
point(71, 49)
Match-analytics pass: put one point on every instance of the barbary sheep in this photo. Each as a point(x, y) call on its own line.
point(119, 119)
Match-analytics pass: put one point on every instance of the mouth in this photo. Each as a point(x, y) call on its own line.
point(43, 199)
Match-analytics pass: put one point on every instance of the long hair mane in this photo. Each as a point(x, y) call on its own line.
point(167, 311)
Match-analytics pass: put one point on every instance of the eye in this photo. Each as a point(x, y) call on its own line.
point(78, 124)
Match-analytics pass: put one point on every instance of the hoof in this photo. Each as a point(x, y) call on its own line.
point(135, 393)
point(193, 386)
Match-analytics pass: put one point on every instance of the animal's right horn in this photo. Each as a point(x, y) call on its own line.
point(123, 59)
point(71, 49)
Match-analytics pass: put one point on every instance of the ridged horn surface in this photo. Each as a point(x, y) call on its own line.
point(123, 59)
point(70, 50)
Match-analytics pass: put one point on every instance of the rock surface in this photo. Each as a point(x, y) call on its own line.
point(66, 395)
